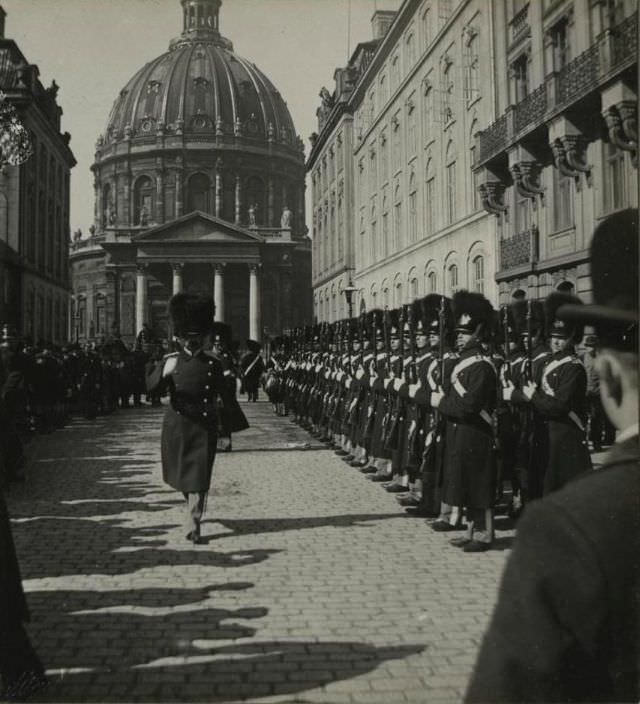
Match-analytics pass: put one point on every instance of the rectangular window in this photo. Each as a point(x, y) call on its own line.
point(384, 158)
point(478, 274)
point(430, 193)
point(374, 241)
point(614, 178)
point(396, 156)
point(559, 35)
point(562, 201)
point(412, 131)
point(451, 192)
point(520, 74)
point(521, 215)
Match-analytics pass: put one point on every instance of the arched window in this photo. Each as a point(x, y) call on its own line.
point(143, 201)
point(475, 174)
point(566, 287)
point(478, 273)
point(432, 282)
point(397, 294)
point(413, 209)
point(198, 193)
point(427, 30)
point(413, 288)
point(452, 276)
point(107, 204)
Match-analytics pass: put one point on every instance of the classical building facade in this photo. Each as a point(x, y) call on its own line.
point(418, 225)
point(562, 150)
point(34, 206)
point(489, 137)
point(199, 185)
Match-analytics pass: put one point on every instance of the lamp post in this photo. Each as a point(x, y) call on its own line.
point(348, 292)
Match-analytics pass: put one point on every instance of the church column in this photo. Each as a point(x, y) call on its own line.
point(238, 201)
point(254, 303)
point(218, 210)
point(113, 312)
point(178, 193)
point(270, 203)
point(218, 291)
point(159, 214)
point(141, 296)
point(127, 210)
point(177, 277)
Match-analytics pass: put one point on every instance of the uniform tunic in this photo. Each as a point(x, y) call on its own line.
point(561, 401)
point(470, 462)
point(190, 426)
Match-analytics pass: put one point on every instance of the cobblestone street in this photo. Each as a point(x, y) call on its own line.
point(313, 585)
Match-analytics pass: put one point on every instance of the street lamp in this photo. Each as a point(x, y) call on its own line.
point(349, 290)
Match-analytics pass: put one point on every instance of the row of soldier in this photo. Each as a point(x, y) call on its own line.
point(445, 402)
point(41, 387)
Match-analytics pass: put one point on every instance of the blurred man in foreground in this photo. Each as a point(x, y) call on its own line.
point(566, 627)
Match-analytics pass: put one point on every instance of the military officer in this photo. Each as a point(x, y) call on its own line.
point(196, 382)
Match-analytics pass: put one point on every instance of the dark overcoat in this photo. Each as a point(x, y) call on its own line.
point(468, 404)
point(566, 624)
point(252, 366)
point(561, 402)
point(13, 605)
point(190, 426)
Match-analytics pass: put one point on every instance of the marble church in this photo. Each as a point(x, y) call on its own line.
point(199, 186)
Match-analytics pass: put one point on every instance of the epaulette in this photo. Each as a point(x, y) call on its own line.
point(171, 354)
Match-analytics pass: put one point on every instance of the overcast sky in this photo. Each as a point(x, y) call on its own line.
point(93, 47)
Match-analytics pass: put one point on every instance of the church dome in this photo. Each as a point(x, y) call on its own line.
point(201, 88)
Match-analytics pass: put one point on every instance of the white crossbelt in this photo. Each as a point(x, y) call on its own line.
point(457, 385)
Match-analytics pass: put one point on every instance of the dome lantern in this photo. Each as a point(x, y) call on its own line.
point(200, 19)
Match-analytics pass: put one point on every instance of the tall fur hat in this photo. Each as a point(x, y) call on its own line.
point(375, 319)
point(418, 320)
point(473, 314)
point(253, 346)
point(571, 329)
point(519, 311)
point(431, 306)
point(191, 314)
point(221, 332)
point(393, 323)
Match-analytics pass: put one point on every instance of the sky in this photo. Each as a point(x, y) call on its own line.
point(93, 47)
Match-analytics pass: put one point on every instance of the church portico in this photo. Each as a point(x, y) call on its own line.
point(196, 190)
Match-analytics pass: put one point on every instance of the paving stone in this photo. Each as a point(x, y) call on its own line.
point(313, 584)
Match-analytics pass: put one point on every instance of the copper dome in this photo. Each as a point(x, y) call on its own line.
point(201, 87)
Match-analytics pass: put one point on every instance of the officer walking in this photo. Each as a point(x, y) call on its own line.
point(195, 381)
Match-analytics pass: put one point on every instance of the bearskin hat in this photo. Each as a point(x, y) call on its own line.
point(393, 323)
point(519, 311)
point(473, 314)
point(221, 332)
point(375, 322)
point(418, 321)
point(431, 305)
point(570, 329)
point(191, 314)
point(254, 346)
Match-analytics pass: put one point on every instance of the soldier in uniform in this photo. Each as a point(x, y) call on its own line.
point(221, 350)
point(561, 398)
point(196, 382)
point(468, 406)
point(565, 627)
point(252, 366)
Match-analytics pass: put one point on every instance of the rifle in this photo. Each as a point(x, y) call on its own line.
point(528, 369)
point(505, 329)
point(441, 333)
point(413, 368)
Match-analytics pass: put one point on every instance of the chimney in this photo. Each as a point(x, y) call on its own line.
point(381, 21)
point(3, 17)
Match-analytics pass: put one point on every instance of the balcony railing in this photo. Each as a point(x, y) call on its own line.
point(519, 24)
point(531, 109)
point(519, 249)
point(613, 50)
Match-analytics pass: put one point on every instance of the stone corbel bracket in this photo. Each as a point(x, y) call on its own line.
point(569, 157)
point(622, 123)
point(526, 176)
point(492, 195)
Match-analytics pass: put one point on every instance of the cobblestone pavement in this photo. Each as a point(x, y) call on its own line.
point(313, 585)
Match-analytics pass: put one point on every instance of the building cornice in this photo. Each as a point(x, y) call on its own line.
point(332, 122)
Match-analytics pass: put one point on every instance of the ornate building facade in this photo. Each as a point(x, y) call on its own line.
point(561, 152)
point(199, 185)
point(34, 206)
point(488, 139)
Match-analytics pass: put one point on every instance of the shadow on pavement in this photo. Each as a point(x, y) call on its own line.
point(195, 670)
point(247, 526)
